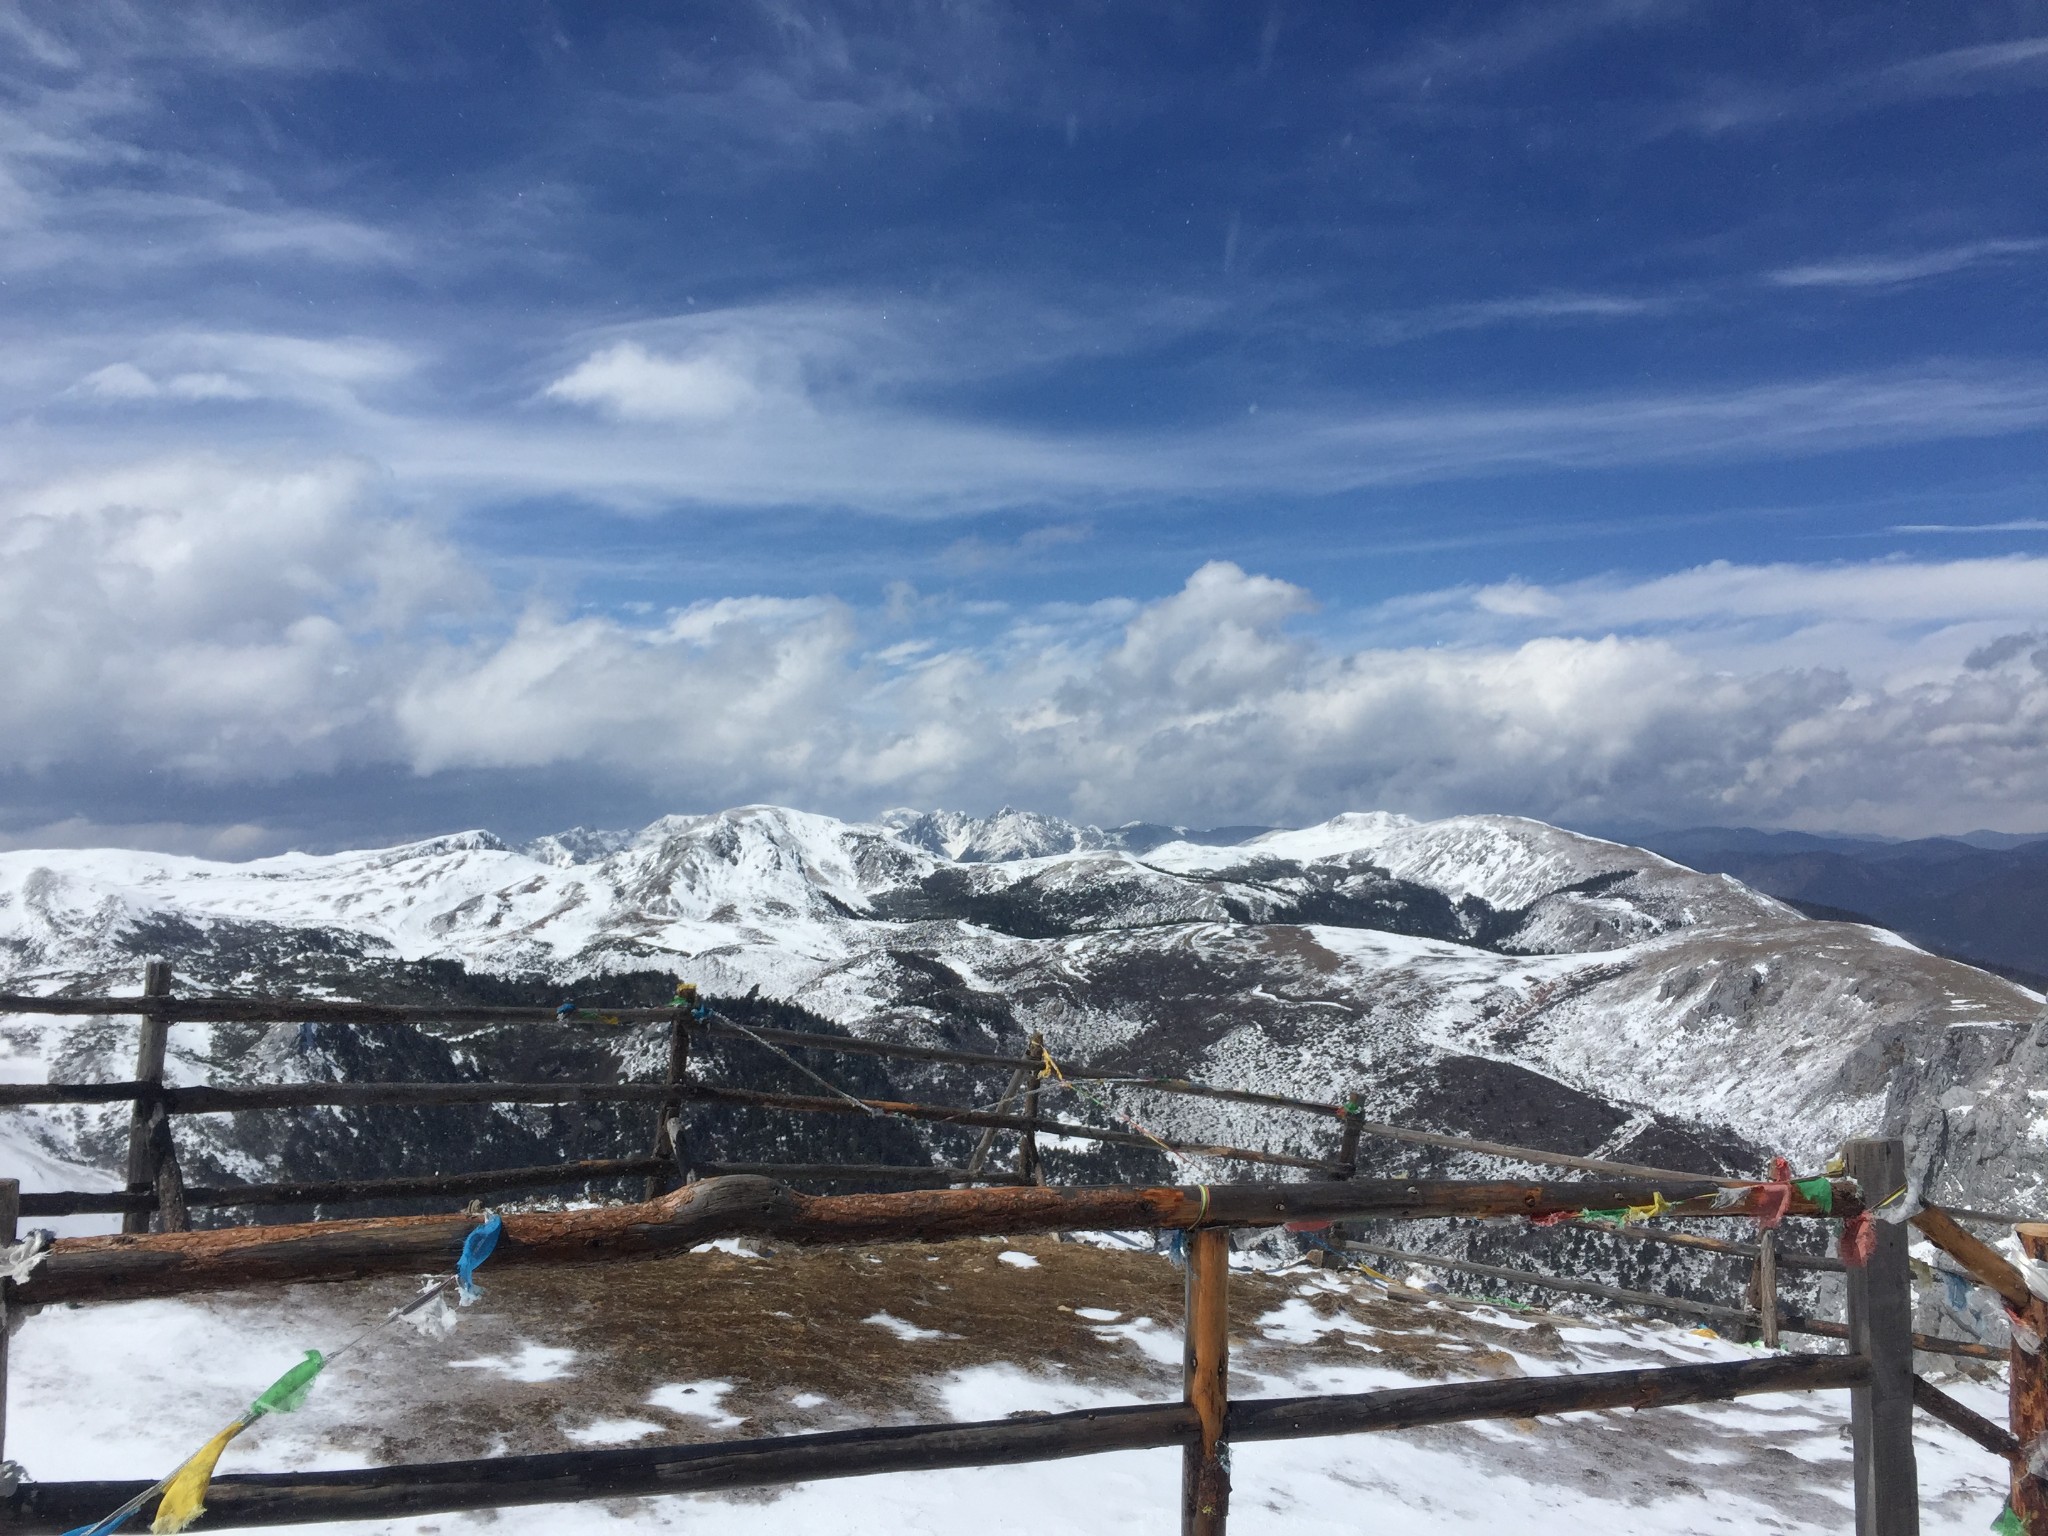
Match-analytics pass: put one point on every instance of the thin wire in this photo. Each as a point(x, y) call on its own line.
point(1107, 1108)
point(822, 1082)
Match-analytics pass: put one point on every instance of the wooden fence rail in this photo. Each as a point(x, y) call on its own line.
point(169, 1263)
point(385, 1493)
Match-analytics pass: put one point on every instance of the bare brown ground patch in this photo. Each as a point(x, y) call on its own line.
point(792, 1333)
point(1299, 944)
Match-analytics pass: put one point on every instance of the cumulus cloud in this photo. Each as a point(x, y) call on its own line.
point(206, 617)
point(237, 625)
point(1211, 702)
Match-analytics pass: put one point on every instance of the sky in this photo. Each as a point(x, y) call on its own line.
point(524, 415)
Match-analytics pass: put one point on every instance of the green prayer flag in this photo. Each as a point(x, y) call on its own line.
point(1617, 1217)
point(1821, 1191)
point(288, 1393)
point(2008, 1523)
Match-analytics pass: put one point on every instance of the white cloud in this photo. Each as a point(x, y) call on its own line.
point(637, 385)
point(217, 619)
point(845, 404)
point(336, 377)
point(239, 840)
point(833, 409)
point(2014, 64)
point(1959, 70)
point(125, 381)
point(1208, 703)
point(1896, 593)
point(119, 381)
point(237, 624)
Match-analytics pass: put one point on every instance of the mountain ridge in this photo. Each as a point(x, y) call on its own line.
point(1471, 966)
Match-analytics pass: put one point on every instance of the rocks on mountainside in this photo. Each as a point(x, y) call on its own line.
point(1487, 975)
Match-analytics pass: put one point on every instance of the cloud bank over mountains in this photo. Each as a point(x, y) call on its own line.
point(234, 624)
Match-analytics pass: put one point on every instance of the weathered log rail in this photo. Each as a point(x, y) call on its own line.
point(384, 1493)
point(173, 1263)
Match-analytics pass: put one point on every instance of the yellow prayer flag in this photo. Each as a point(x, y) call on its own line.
point(185, 1499)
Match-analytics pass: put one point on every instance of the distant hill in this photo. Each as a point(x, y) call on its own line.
point(1981, 897)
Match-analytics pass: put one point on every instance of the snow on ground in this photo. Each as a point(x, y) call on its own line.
point(716, 1345)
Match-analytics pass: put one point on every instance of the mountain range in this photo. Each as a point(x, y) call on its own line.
point(1483, 974)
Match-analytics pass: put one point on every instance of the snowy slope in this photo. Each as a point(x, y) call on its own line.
point(554, 1362)
point(1485, 974)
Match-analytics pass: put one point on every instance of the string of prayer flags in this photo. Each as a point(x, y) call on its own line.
point(287, 1394)
point(184, 1491)
point(478, 1246)
point(184, 1497)
point(117, 1519)
point(2032, 1271)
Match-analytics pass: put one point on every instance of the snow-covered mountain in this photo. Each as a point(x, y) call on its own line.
point(1485, 974)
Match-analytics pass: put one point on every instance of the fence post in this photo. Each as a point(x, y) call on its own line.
point(10, 1220)
point(1027, 1145)
point(2029, 1396)
point(1767, 1289)
point(1205, 1383)
point(145, 1143)
point(1881, 1330)
point(1347, 1140)
point(668, 1119)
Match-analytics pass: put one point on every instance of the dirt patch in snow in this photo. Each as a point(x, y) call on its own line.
point(756, 1340)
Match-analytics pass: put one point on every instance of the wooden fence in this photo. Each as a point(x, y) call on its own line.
point(716, 1200)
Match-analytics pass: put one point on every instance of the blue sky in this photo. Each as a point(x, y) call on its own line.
point(520, 415)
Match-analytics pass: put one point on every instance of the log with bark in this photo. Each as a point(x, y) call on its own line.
point(169, 1264)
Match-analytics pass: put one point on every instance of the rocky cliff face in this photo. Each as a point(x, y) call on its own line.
point(1487, 975)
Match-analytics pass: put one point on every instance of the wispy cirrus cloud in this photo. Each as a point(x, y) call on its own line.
point(91, 182)
point(1895, 270)
point(2010, 525)
point(2013, 64)
point(819, 405)
point(825, 405)
point(1535, 309)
